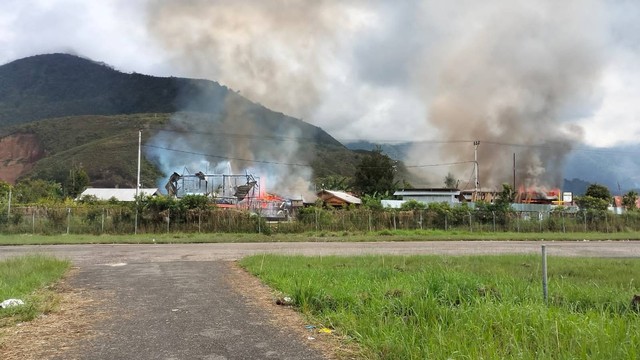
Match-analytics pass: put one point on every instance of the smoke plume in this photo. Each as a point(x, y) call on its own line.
point(513, 74)
point(509, 81)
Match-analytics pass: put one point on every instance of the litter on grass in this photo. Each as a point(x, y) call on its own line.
point(11, 302)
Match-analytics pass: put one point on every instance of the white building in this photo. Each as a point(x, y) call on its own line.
point(105, 194)
point(450, 196)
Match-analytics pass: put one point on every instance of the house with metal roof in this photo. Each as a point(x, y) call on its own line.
point(118, 194)
point(433, 195)
point(338, 198)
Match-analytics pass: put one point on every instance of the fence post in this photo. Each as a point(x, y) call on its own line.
point(33, 222)
point(68, 219)
point(394, 221)
point(168, 219)
point(369, 221)
point(199, 219)
point(585, 220)
point(446, 222)
point(540, 220)
point(564, 229)
point(470, 226)
point(494, 220)
point(545, 292)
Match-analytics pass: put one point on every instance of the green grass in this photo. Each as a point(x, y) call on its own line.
point(399, 235)
point(491, 307)
point(28, 278)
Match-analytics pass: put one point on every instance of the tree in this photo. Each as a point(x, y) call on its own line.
point(375, 173)
point(597, 197)
point(334, 182)
point(629, 201)
point(506, 197)
point(76, 182)
point(4, 190)
point(598, 192)
point(450, 181)
point(34, 190)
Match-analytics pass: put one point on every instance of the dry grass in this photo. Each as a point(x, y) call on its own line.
point(69, 320)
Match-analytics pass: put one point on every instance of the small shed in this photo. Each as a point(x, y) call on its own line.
point(119, 194)
point(338, 198)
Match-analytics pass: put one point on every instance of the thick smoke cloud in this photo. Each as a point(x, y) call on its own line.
point(512, 77)
point(501, 71)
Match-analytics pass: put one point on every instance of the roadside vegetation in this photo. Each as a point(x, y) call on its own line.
point(30, 279)
point(489, 307)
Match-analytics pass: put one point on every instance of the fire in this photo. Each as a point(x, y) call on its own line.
point(538, 195)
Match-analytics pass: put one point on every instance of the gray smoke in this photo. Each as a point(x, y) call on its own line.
point(499, 71)
point(222, 133)
point(511, 78)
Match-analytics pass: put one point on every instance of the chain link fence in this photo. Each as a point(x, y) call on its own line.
point(124, 220)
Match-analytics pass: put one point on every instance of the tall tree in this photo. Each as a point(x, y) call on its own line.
point(599, 192)
point(450, 181)
point(375, 173)
point(76, 182)
point(629, 200)
point(597, 197)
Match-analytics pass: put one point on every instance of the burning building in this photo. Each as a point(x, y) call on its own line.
point(231, 191)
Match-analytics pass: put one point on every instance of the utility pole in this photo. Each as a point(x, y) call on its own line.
point(475, 161)
point(135, 228)
point(514, 171)
point(9, 204)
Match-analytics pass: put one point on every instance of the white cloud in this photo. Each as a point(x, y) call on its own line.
point(617, 120)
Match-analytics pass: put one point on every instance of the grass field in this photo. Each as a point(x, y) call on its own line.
point(491, 307)
point(386, 235)
point(28, 278)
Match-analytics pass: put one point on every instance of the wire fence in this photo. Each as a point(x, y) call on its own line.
point(124, 220)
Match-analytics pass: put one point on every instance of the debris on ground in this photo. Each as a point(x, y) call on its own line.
point(10, 303)
point(284, 301)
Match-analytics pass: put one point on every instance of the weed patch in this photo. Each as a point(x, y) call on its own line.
point(29, 278)
point(476, 307)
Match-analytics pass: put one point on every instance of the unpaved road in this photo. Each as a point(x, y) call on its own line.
point(94, 254)
point(187, 302)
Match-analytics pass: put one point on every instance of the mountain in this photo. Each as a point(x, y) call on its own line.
point(60, 110)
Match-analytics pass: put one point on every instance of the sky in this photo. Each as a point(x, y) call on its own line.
point(374, 70)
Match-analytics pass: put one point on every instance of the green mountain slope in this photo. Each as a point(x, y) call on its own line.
point(77, 112)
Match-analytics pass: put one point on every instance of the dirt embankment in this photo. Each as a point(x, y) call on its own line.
point(18, 155)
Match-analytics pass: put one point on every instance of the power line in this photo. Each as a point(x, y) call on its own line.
point(226, 157)
point(285, 163)
point(441, 164)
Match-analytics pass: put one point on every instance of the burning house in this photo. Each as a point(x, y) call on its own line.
point(231, 191)
point(222, 188)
